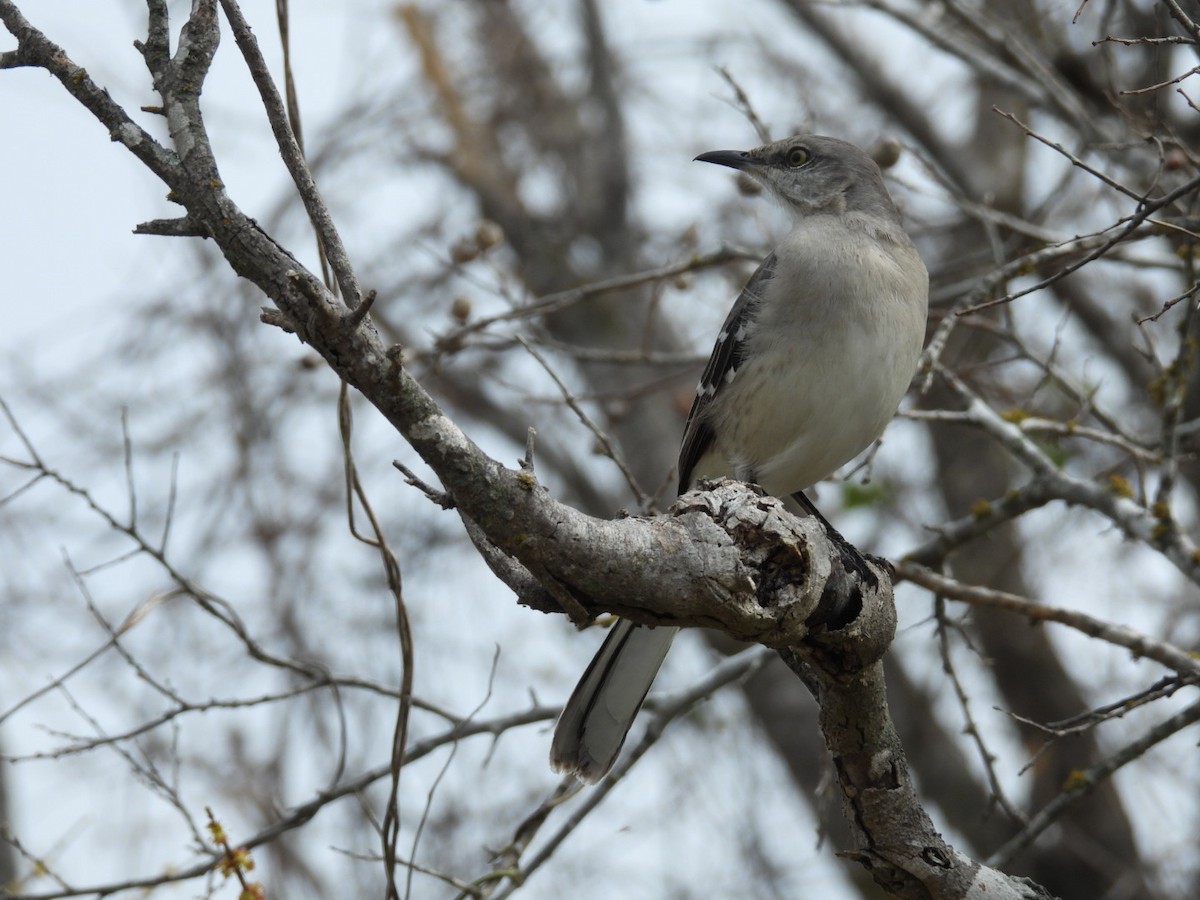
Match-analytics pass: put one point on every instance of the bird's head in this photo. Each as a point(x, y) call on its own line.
point(813, 174)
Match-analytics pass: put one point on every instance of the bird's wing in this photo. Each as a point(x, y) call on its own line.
point(727, 356)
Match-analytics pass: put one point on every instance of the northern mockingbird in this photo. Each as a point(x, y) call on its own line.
point(805, 374)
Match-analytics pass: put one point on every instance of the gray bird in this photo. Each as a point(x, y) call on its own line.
point(805, 374)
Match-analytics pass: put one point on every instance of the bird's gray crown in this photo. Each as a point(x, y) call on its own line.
point(813, 174)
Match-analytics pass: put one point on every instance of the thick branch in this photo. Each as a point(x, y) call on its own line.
point(894, 837)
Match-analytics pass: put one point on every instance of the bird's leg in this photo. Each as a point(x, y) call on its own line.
point(852, 558)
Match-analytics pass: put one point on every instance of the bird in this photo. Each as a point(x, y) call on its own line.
point(806, 372)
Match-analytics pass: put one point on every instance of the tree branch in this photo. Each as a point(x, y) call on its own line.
point(293, 155)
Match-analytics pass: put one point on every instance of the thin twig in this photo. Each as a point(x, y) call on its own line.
point(1140, 645)
point(964, 704)
point(35, 49)
point(605, 443)
point(1162, 84)
point(355, 492)
point(556, 302)
point(1074, 160)
point(293, 156)
point(1128, 227)
point(1035, 425)
point(664, 712)
point(1170, 304)
point(298, 816)
point(743, 104)
point(1084, 781)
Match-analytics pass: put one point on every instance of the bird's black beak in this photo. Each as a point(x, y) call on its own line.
point(735, 159)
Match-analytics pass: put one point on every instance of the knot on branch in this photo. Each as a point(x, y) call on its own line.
point(807, 584)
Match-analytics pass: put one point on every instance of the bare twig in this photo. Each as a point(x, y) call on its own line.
point(1162, 84)
point(556, 302)
point(986, 757)
point(1136, 521)
point(1126, 228)
point(1170, 304)
point(293, 155)
point(602, 439)
point(391, 566)
point(35, 49)
point(297, 816)
point(1074, 160)
point(1139, 645)
point(1084, 781)
point(742, 102)
point(664, 712)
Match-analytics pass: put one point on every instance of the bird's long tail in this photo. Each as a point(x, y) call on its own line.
point(602, 707)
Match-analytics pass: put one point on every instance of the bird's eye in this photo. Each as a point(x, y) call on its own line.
point(797, 157)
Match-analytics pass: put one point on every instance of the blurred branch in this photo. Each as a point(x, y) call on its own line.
point(742, 102)
point(215, 606)
point(665, 711)
point(884, 92)
point(1152, 526)
point(1084, 781)
point(1058, 95)
point(1078, 252)
point(986, 515)
point(1029, 424)
point(601, 438)
point(1128, 227)
point(986, 758)
point(476, 159)
point(958, 43)
point(296, 816)
point(561, 300)
point(1075, 160)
